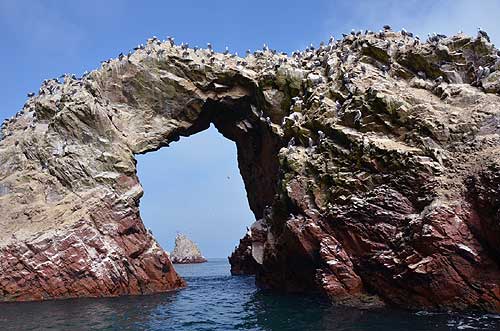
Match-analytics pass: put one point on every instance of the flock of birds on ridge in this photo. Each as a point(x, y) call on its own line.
point(434, 38)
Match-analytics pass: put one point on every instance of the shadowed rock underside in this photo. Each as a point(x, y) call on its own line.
point(371, 165)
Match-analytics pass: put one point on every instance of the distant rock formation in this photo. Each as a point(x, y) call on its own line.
point(371, 164)
point(186, 251)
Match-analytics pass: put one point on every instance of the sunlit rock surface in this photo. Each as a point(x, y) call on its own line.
point(371, 165)
point(186, 251)
point(242, 260)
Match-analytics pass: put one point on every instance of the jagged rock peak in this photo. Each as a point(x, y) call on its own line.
point(186, 251)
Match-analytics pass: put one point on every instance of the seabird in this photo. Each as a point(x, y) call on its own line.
point(321, 135)
point(386, 27)
point(291, 143)
point(226, 51)
point(338, 105)
point(479, 73)
point(439, 80)
point(482, 34)
point(268, 121)
point(311, 142)
point(357, 116)
point(209, 46)
point(31, 94)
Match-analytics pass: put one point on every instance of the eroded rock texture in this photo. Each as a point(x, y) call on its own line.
point(186, 251)
point(371, 165)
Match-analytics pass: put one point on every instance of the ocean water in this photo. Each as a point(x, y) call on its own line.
point(214, 300)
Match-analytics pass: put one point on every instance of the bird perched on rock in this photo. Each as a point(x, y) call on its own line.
point(31, 94)
point(311, 142)
point(226, 51)
point(291, 143)
point(386, 27)
point(209, 46)
point(479, 72)
point(357, 116)
point(321, 135)
point(482, 34)
point(384, 69)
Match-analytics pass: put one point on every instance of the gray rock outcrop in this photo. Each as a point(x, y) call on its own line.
point(186, 251)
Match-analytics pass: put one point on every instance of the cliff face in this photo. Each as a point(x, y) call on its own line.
point(242, 260)
point(186, 251)
point(371, 165)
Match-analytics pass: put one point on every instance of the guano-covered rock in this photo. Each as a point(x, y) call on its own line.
point(186, 251)
point(371, 164)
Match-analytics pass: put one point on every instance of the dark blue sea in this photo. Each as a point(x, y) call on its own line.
point(214, 300)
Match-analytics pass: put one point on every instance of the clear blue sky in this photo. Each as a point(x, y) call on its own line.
point(186, 185)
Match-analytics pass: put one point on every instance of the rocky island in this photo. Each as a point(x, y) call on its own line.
point(186, 251)
point(371, 164)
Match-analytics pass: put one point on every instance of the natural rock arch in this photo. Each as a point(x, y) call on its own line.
point(387, 196)
point(127, 108)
